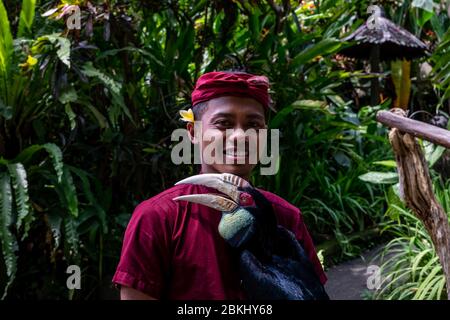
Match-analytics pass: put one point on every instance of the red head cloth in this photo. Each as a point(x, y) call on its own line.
point(218, 84)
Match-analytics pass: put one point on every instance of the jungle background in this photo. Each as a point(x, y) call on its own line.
point(86, 118)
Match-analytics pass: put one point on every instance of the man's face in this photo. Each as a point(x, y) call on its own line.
point(225, 121)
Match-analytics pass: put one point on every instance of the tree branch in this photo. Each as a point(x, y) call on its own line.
point(416, 128)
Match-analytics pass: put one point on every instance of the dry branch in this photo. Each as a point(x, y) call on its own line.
point(415, 182)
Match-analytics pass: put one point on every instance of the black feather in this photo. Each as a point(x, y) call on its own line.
point(273, 263)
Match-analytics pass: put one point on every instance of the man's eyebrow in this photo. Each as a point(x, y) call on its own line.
point(222, 114)
point(255, 116)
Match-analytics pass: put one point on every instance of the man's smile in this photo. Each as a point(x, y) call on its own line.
point(236, 153)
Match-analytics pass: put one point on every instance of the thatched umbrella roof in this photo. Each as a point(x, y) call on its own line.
point(379, 39)
point(394, 42)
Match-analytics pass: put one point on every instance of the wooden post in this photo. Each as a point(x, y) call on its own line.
point(415, 182)
point(375, 69)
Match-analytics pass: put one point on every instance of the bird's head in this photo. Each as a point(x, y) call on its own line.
point(245, 210)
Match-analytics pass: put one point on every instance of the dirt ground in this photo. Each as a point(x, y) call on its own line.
point(349, 280)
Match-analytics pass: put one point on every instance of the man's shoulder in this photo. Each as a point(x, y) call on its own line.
point(163, 201)
point(169, 193)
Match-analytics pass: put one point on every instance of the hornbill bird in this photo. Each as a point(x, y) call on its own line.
point(272, 263)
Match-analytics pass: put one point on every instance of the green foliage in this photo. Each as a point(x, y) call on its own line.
point(380, 177)
point(411, 269)
point(86, 117)
point(20, 185)
point(17, 217)
point(8, 241)
point(441, 58)
point(6, 49)
point(26, 17)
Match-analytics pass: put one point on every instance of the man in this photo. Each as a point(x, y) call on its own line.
point(172, 249)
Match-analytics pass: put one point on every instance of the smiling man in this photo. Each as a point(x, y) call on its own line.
point(228, 134)
point(173, 249)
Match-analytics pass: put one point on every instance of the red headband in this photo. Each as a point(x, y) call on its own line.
point(218, 84)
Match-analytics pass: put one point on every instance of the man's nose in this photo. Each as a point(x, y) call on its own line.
point(237, 134)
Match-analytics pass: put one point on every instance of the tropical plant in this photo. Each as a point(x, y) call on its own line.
point(442, 67)
point(86, 118)
point(411, 269)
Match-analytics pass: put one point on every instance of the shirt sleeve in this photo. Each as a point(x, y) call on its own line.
point(144, 261)
point(302, 234)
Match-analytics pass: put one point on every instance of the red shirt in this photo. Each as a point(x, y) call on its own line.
point(173, 250)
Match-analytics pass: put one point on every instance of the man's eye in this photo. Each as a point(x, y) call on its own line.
point(256, 125)
point(223, 123)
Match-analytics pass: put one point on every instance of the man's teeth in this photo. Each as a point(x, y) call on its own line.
point(236, 154)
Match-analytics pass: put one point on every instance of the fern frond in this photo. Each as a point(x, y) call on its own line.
point(9, 243)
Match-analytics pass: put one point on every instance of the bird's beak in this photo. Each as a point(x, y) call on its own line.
point(226, 183)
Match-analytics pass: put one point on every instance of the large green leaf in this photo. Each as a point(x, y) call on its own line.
point(442, 66)
point(427, 5)
point(61, 44)
point(380, 177)
point(437, 26)
point(55, 153)
point(6, 50)
point(70, 193)
point(432, 152)
point(53, 150)
point(66, 98)
point(316, 105)
point(114, 87)
point(426, 12)
point(100, 212)
point(26, 17)
point(20, 185)
point(9, 244)
point(322, 48)
point(27, 153)
point(102, 121)
point(71, 238)
point(386, 163)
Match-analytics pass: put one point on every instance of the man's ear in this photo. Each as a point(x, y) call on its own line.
point(190, 128)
